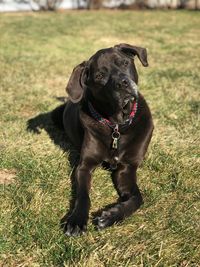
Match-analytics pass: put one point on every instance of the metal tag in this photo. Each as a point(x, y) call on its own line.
point(115, 137)
point(115, 143)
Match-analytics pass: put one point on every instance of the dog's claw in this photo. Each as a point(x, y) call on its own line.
point(75, 227)
point(75, 230)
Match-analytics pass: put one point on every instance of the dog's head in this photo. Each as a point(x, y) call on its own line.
point(109, 78)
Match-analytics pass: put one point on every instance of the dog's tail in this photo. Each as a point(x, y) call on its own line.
point(57, 116)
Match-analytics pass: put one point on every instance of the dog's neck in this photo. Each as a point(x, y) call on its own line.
point(120, 116)
point(110, 111)
point(114, 121)
point(104, 108)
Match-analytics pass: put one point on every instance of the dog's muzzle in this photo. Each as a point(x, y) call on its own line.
point(131, 94)
point(134, 88)
point(129, 87)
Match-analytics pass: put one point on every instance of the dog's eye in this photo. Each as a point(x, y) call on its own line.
point(99, 76)
point(125, 63)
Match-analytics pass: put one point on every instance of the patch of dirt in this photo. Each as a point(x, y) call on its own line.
point(26, 112)
point(7, 176)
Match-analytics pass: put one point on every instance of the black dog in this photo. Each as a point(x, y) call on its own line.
point(108, 122)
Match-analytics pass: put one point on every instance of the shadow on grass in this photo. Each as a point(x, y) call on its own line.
point(51, 122)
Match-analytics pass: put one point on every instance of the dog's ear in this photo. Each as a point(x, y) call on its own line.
point(130, 50)
point(75, 84)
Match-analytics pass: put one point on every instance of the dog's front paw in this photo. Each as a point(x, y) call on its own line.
point(106, 219)
point(75, 226)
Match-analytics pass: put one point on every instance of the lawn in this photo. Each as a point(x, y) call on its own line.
point(37, 54)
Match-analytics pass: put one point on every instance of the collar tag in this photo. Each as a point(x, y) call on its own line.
point(115, 137)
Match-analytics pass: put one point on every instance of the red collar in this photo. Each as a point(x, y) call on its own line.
point(105, 121)
point(115, 127)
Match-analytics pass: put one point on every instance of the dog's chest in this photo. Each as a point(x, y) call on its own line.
point(119, 151)
point(113, 148)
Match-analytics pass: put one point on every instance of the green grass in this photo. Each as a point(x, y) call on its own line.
point(37, 54)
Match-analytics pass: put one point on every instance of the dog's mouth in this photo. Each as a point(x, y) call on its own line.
point(124, 111)
point(127, 106)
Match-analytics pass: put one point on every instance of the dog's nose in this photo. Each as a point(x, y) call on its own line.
point(124, 83)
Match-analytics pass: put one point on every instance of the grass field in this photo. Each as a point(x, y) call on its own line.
point(37, 54)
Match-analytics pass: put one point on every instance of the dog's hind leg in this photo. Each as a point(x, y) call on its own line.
point(130, 198)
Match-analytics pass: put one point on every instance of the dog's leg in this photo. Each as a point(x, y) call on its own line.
point(124, 179)
point(76, 222)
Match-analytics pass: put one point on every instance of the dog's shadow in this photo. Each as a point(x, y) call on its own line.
point(46, 121)
point(55, 131)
